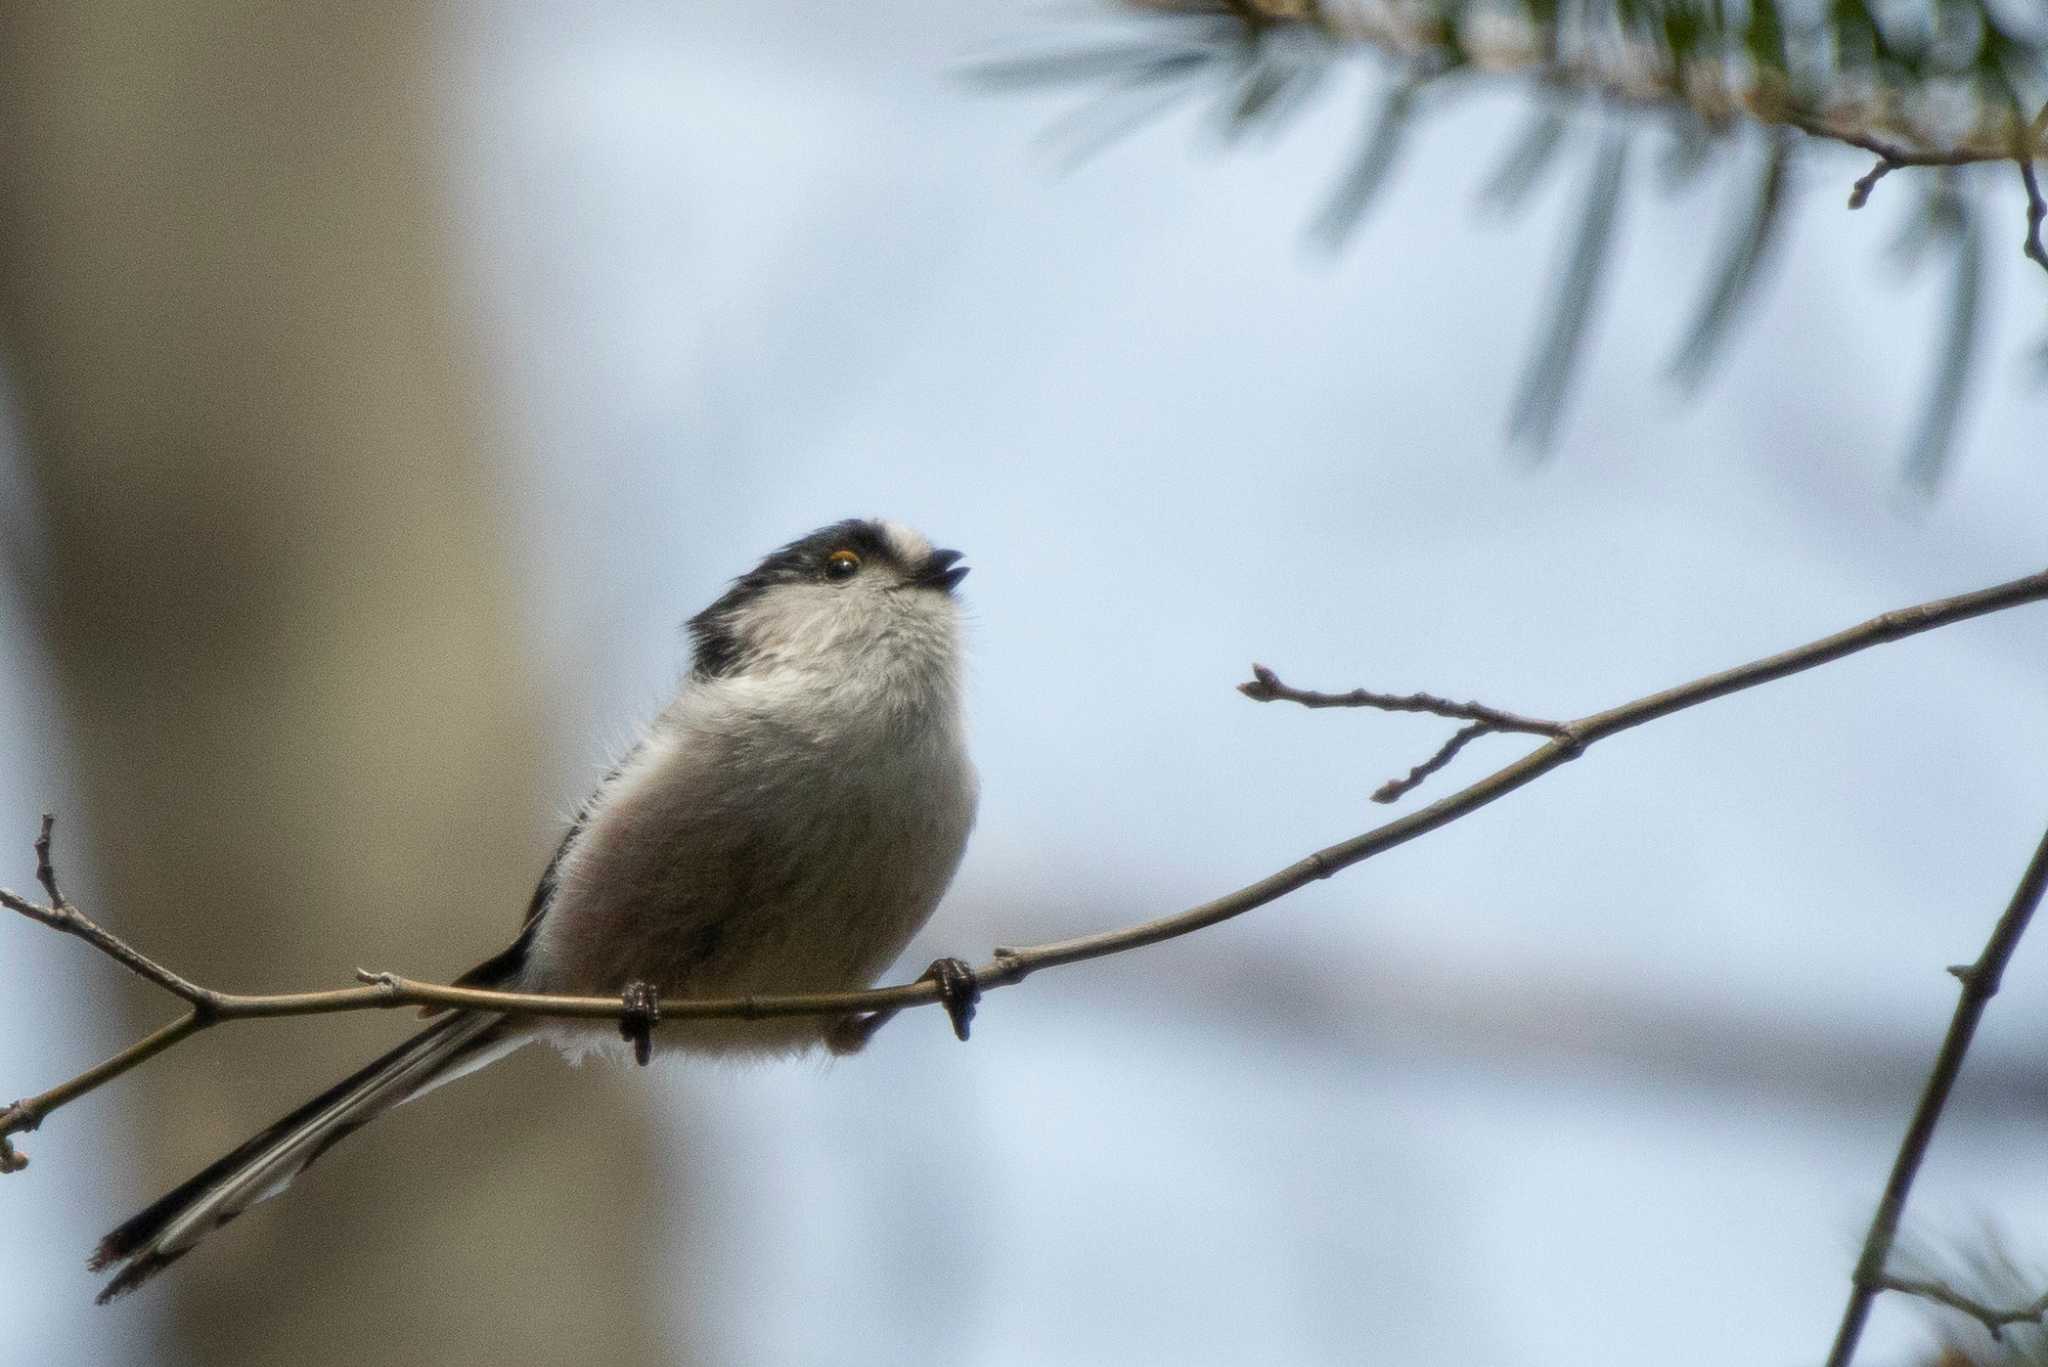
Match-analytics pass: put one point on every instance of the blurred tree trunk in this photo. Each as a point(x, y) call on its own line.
point(279, 599)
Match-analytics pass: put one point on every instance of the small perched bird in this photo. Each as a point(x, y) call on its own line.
point(786, 824)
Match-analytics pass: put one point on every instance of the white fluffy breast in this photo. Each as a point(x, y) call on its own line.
point(780, 830)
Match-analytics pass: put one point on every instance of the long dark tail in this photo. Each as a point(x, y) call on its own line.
point(263, 1166)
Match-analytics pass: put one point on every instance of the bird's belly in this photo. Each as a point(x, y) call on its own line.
point(807, 887)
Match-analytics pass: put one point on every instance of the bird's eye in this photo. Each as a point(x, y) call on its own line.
point(841, 564)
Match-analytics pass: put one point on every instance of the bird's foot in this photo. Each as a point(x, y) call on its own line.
point(643, 1013)
point(959, 992)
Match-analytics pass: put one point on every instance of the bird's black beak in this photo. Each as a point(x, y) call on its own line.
point(941, 570)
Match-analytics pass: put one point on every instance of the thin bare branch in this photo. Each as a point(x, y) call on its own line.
point(1994, 1320)
point(1980, 982)
point(27, 1113)
point(1265, 686)
point(1007, 966)
point(61, 915)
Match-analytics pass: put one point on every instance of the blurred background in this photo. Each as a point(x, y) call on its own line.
point(385, 384)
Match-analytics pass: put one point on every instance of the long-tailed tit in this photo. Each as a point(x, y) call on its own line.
point(786, 824)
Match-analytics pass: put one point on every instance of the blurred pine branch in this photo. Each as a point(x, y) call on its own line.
point(1983, 1301)
point(1948, 85)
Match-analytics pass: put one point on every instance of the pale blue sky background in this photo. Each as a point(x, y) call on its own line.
point(1608, 1073)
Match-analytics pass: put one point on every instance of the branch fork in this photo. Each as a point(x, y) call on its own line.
point(1994, 1320)
point(1980, 982)
point(1266, 686)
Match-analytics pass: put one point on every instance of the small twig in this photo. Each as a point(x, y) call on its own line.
point(1265, 686)
point(1393, 788)
point(1859, 193)
point(1994, 1320)
point(27, 1113)
point(46, 872)
point(61, 915)
point(1980, 982)
point(1007, 966)
point(2037, 212)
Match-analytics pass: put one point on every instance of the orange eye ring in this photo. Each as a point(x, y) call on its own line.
point(842, 564)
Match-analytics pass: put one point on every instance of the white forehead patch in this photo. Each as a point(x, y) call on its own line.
point(909, 544)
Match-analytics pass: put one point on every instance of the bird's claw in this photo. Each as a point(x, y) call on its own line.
point(643, 1013)
point(959, 991)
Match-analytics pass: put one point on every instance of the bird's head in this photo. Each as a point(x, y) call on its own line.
point(860, 594)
